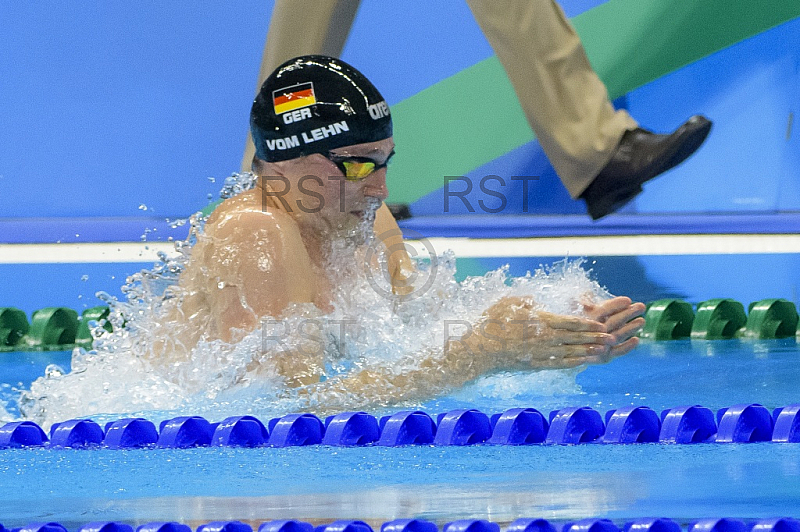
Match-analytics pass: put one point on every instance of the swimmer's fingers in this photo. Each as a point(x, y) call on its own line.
point(570, 323)
point(601, 352)
point(620, 319)
point(628, 330)
point(594, 354)
point(570, 356)
point(583, 338)
point(599, 358)
point(624, 348)
point(603, 311)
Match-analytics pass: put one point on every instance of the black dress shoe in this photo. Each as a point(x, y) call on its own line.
point(640, 156)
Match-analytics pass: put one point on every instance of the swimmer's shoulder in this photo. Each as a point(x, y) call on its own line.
point(246, 212)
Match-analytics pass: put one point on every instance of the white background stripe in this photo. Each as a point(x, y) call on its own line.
point(632, 245)
point(463, 247)
point(82, 253)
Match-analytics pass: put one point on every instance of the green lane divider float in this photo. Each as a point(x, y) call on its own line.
point(50, 329)
point(83, 338)
point(13, 326)
point(60, 329)
point(719, 319)
point(771, 318)
point(668, 319)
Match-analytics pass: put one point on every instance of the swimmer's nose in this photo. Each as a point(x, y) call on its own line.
point(375, 185)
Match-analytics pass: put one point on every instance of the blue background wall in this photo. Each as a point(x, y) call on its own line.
point(108, 106)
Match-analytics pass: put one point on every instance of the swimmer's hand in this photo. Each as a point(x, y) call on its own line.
point(534, 339)
point(622, 319)
point(401, 267)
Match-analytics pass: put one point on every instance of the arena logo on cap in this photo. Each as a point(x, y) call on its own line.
point(378, 110)
point(293, 97)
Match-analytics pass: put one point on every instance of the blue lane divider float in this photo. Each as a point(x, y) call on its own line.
point(409, 525)
point(687, 424)
point(652, 525)
point(170, 526)
point(407, 428)
point(632, 424)
point(22, 434)
point(775, 524)
point(295, 430)
point(77, 433)
point(530, 525)
point(519, 426)
point(787, 424)
point(240, 431)
point(286, 526)
point(718, 525)
point(345, 525)
point(590, 525)
point(462, 427)
point(41, 527)
point(130, 433)
point(225, 526)
point(575, 425)
point(742, 423)
point(109, 526)
point(351, 429)
point(183, 432)
point(471, 525)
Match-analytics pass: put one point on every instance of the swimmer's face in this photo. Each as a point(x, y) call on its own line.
point(320, 186)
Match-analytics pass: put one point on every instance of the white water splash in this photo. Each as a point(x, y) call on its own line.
point(368, 327)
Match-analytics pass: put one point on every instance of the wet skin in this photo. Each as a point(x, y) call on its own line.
point(261, 252)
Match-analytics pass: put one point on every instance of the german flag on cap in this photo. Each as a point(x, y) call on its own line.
point(293, 97)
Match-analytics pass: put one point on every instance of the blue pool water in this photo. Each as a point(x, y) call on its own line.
point(500, 483)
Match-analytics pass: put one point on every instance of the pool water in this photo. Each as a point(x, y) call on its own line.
point(499, 483)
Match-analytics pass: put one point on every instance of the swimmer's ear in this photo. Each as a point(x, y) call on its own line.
point(262, 168)
point(258, 166)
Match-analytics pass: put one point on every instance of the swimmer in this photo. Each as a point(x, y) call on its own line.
point(323, 137)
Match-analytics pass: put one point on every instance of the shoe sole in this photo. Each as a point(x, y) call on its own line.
point(600, 209)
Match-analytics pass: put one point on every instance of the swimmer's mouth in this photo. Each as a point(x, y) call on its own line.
point(369, 209)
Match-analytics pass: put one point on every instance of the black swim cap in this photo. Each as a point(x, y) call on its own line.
point(314, 103)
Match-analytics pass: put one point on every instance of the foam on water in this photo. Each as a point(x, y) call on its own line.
point(368, 327)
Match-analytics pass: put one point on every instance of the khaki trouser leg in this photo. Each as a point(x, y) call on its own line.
point(302, 27)
point(563, 99)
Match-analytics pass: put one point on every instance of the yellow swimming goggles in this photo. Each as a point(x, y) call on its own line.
point(357, 168)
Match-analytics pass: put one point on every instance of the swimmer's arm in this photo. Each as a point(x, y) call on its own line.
point(399, 263)
point(511, 335)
